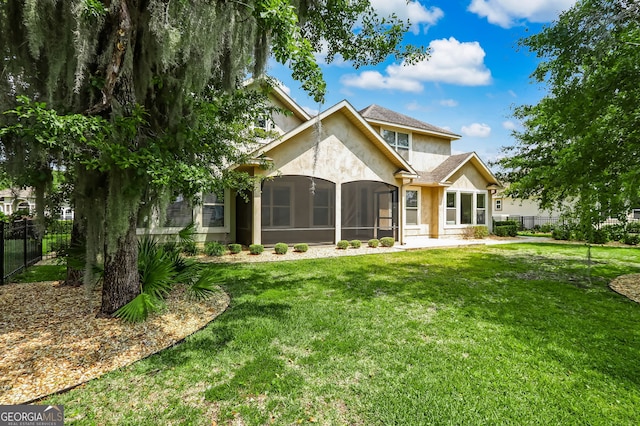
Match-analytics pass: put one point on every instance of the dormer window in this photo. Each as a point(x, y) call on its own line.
point(399, 141)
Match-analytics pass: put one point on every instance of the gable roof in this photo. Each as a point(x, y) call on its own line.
point(344, 107)
point(380, 115)
point(441, 174)
point(276, 89)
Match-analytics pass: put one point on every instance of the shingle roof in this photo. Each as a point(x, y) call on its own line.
point(444, 170)
point(378, 113)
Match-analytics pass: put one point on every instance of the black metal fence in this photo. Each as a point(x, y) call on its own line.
point(547, 223)
point(21, 247)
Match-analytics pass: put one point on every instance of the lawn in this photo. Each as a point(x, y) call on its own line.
point(512, 334)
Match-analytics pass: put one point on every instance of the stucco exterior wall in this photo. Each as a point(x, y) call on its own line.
point(341, 153)
point(427, 152)
point(519, 207)
point(284, 123)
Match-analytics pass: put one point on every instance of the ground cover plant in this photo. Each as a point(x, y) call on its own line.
point(511, 334)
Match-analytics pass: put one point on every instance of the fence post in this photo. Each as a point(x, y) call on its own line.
point(2, 226)
point(24, 244)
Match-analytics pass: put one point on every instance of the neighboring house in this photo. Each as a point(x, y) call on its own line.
point(14, 200)
point(505, 206)
point(347, 174)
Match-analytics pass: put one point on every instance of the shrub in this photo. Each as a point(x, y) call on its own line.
point(506, 230)
point(355, 243)
point(387, 241)
point(507, 223)
point(235, 248)
point(301, 248)
point(561, 233)
point(631, 239)
point(256, 248)
point(467, 233)
point(373, 243)
point(281, 248)
point(343, 244)
point(480, 232)
point(599, 236)
point(189, 248)
point(633, 227)
point(614, 232)
point(214, 248)
point(547, 228)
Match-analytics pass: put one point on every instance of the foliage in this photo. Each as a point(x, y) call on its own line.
point(506, 231)
point(256, 249)
point(189, 247)
point(373, 243)
point(144, 100)
point(214, 248)
point(160, 268)
point(235, 248)
point(281, 248)
point(342, 244)
point(387, 241)
point(301, 247)
point(475, 232)
point(581, 142)
point(355, 244)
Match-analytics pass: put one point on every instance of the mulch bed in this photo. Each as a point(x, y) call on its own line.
point(627, 285)
point(51, 340)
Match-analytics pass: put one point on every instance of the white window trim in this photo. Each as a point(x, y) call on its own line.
point(395, 147)
point(417, 209)
point(498, 204)
point(474, 213)
point(227, 212)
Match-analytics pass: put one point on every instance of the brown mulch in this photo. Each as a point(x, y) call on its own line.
point(51, 340)
point(627, 285)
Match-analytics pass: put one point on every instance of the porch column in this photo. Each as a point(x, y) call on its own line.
point(435, 229)
point(338, 213)
point(256, 220)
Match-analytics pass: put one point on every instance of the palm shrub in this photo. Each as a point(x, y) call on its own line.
point(214, 248)
point(342, 244)
point(160, 267)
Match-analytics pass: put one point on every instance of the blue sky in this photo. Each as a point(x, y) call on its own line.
point(475, 76)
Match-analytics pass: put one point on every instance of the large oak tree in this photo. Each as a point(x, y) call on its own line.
point(145, 100)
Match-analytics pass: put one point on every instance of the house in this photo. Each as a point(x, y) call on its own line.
point(347, 174)
point(13, 200)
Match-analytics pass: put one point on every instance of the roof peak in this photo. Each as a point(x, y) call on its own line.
point(380, 113)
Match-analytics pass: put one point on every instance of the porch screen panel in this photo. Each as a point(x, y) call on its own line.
point(369, 210)
point(298, 209)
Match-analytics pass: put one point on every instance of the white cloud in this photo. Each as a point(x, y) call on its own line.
point(451, 61)
point(509, 125)
point(416, 13)
point(375, 80)
point(449, 102)
point(476, 130)
point(311, 111)
point(507, 13)
point(512, 93)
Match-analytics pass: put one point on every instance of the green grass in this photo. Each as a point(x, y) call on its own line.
point(37, 273)
point(513, 334)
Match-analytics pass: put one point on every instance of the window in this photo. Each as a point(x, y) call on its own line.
point(411, 207)
point(212, 211)
point(179, 213)
point(481, 209)
point(451, 208)
point(466, 208)
point(399, 142)
point(276, 206)
point(498, 205)
point(636, 213)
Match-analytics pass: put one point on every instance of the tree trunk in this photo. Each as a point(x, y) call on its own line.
point(121, 283)
point(75, 264)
